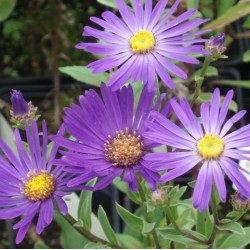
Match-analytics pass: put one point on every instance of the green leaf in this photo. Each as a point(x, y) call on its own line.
point(186, 216)
point(232, 14)
point(137, 89)
point(150, 207)
point(198, 78)
point(234, 83)
point(223, 6)
point(85, 206)
point(122, 186)
point(6, 7)
point(69, 236)
point(83, 74)
point(129, 242)
point(110, 234)
point(236, 241)
point(130, 219)
point(210, 71)
point(173, 235)
point(191, 184)
point(246, 56)
point(232, 226)
point(39, 245)
point(93, 245)
point(204, 224)
point(192, 4)
point(147, 227)
point(108, 3)
point(246, 24)
point(234, 214)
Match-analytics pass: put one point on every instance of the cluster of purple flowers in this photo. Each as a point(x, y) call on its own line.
point(110, 138)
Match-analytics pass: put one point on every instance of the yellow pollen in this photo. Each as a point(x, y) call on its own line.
point(142, 42)
point(39, 186)
point(124, 150)
point(210, 147)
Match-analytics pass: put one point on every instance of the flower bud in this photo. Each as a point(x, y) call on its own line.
point(21, 110)
point(159, 197)
point(216, 44)
point(240, 202)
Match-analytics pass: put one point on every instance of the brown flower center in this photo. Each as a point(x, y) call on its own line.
point(124, 150)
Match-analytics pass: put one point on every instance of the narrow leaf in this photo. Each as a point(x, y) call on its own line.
point(173, 235)
point(85, 206)
point(129, 242)
point(232, 226)
point(106, 225)
point(108, 3)
point(147, 227)
point(6, 7)
point(234, 83)
point(246, 56)
point(232, 14)
point(192, 4)
point(236, 241)
point(93, 245)
point(130, 219)
point(204, 224)
point(85, 75)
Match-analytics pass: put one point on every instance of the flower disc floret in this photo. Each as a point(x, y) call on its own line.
point(142, 42)
point(210, 147)
point(40, 186)
point(126, 149)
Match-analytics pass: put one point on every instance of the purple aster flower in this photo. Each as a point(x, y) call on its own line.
point(29, 182)
point(143, 42)
point(209, 145)
point(21, 111)
point(109, 140)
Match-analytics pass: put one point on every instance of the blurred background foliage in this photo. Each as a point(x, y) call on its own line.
point(25, 44)
point(25, 30)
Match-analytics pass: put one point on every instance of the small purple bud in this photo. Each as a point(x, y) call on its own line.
point(21, 111)
point(219, 40)
point(216, 45)
point(240, 202)
point(19, 105)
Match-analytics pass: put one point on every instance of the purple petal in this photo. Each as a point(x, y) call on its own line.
point(21, 233)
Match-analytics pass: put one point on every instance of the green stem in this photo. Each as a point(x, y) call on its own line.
point(207, 61)
point(216, 218)
point(177, 228)
point(87, 234)
point(146, 214)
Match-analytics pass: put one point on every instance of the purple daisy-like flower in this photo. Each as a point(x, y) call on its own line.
point(109, 140)
point(29, 182)
point(143, 42)
point(208, 144)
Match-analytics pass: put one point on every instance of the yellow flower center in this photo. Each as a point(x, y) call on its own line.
point(142, 42)
point(39, 186)
point(210, 147)
point(125, 150)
